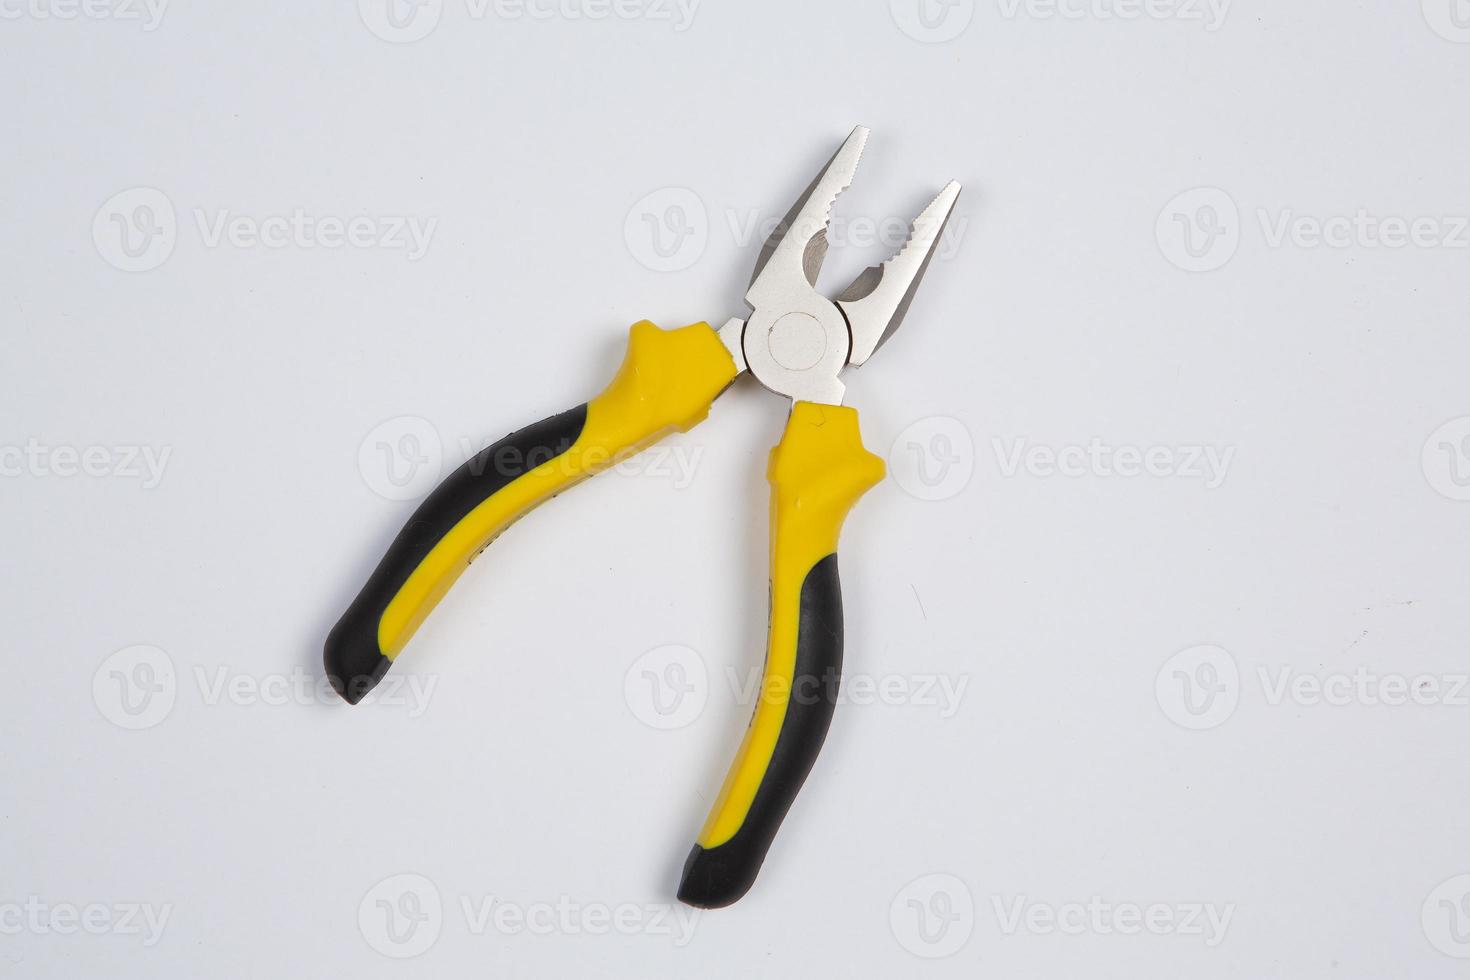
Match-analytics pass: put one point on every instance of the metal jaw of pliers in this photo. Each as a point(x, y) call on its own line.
point(796, 342)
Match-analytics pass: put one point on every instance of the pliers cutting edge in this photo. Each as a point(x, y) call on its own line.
point(795, 342)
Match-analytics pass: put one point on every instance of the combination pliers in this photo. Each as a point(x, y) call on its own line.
point(795, 342)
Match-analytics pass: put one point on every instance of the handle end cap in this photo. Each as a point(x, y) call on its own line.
point(354, 665)
point(717, 877)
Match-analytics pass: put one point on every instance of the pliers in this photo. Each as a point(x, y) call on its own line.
point(795, 342)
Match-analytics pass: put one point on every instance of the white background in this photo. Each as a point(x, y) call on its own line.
point(1079, 763)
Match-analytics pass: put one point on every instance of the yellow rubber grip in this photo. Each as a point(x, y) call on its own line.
point(817, 473)
point(666, 383)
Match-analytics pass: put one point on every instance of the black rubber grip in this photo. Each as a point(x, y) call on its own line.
point(719, 876)
point(353, 659)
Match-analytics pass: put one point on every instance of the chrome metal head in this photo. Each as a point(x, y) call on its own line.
point(797, 341)
point(877, 300)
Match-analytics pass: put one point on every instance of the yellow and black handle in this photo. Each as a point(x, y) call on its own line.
point(666, 383)
point(817, 472)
